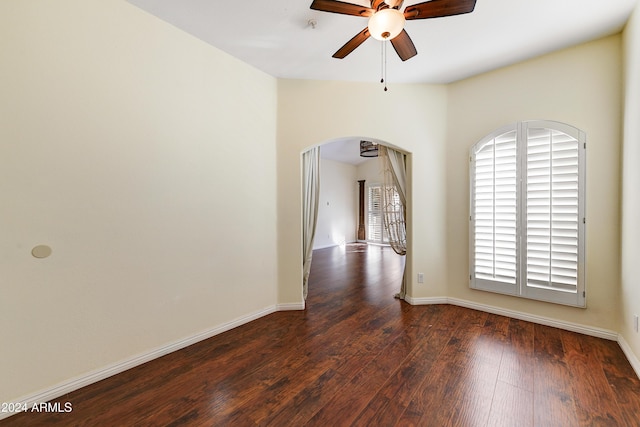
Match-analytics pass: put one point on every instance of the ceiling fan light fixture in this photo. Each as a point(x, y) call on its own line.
point(368, 149)
point(386, 24)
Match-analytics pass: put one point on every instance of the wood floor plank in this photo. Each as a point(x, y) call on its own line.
point(424, 398)
point(511, 406)
point(452, 393)
point(620, 376)
point(392, 399)
point(377, 366)
point(479, 374)
point(518, 357)
point(553, 397)
point(312, 398)
point(594, 399)
point(357, 356)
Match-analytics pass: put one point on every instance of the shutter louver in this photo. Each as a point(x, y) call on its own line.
point(552, 210)
point(495, 209)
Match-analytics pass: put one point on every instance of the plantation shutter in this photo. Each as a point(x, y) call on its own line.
point(494, 213)
point(554, 216)
point(375, 218)
point(527, 212)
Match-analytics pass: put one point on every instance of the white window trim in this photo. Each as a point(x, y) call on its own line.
point(577, 298)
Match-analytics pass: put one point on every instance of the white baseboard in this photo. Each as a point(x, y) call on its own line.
point(631, 357)
point(80, 381)
point(291, 306)
point(333, 245)
point(569, 326)
point(426, 301)
point(330, 245)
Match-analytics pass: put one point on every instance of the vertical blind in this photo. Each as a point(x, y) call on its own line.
point(527, 212)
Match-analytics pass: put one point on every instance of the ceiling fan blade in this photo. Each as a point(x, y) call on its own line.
point(342, 8)
point(350, 46)
point(439, 8)
point(404, 46)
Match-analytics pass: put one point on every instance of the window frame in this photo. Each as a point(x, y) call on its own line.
point(521, 288)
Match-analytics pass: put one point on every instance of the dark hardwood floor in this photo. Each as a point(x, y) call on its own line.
point(357, 356)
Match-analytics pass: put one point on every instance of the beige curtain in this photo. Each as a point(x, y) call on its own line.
point(310, 194)
point(394, 199)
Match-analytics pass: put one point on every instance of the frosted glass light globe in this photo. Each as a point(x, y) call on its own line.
point(386, 24)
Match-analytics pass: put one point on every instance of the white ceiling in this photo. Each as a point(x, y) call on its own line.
point(346, 150)
point(275, 37)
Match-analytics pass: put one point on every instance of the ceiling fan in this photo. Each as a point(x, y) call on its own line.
point(386, 21)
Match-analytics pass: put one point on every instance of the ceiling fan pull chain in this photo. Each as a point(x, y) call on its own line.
point(382, 62)
point(385, 64)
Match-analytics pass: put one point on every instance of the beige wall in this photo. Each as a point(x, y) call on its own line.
point(338, 204)
point(580, 86)
point(119, 136)
point(630, 294)
point(411, 117)
point(370, 171)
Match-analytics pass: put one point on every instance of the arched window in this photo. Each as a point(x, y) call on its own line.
point(527, 222)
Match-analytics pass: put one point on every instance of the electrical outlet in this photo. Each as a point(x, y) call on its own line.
point(420, 277)
point(635, 322)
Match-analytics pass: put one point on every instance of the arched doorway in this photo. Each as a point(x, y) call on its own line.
point(339, 189)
